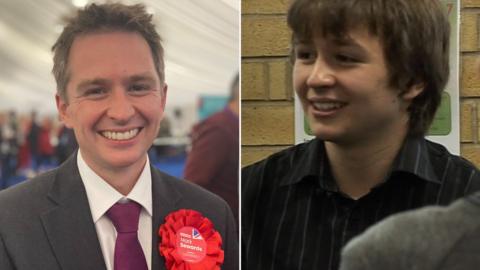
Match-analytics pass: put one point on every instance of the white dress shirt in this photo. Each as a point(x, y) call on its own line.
point(101, 196)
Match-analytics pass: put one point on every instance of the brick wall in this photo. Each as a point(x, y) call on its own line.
point(267, 103)
point(267, 94)
point(470, 80)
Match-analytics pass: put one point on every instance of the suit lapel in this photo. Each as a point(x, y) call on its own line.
point(69, 225)
point(165, 200)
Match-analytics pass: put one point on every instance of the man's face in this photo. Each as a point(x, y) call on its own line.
point(344, 89)
point(115, 99)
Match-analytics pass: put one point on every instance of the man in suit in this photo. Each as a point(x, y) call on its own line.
point(108, 65)
point(434, 237)
point(217, 138)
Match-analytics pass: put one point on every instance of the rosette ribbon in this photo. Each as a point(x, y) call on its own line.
point(211, 259)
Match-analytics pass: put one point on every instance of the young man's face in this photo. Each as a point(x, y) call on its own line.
point(344, 89)
point(115, 99)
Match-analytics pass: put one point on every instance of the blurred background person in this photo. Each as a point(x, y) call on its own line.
point(9, 148)
point(45, 148)
point(24, 155)
point(213, 159)
point(67, 144)
point(32, 139)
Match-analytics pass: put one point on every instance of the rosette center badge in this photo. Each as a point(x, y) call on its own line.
point(190, 245)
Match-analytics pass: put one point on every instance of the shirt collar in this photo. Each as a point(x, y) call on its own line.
point(306, 160)
point(101, 196)
point(414, 158)
point(310, 160)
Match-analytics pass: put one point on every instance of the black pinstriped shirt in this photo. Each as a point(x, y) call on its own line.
point(293, 216)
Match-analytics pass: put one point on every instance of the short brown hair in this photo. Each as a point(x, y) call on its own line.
point(414, 34)
point(96, 18)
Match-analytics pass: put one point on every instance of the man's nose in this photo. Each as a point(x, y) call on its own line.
point(321, 74)
point(120, 106)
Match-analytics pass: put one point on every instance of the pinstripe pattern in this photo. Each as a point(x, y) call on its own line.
point(293, 217)
point(277, 234)
point(304, 238)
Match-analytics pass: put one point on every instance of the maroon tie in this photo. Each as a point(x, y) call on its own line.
point(128, 253)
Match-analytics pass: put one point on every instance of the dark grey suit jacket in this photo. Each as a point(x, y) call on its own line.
point(46, 223)
point(434, 237)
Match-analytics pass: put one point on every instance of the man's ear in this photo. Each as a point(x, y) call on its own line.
point(62, 106)
point(164, 95)
point(413, 91)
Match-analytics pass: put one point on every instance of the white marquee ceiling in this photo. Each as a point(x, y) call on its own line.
point(200, 37)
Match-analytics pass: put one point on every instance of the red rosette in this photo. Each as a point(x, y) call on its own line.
point(208, 255)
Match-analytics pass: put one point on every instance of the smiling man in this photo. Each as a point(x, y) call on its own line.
point(369, 75)
point(103, 207)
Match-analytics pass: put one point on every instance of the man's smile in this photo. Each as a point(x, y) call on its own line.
point(119, 136)
point(327, 106)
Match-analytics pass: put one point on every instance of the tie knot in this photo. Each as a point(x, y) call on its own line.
point(124, 216)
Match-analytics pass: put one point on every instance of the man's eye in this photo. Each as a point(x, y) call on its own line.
point(139, 87)
point(97, 91)
point(346, 59)
point(304, 55)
